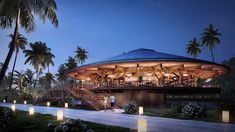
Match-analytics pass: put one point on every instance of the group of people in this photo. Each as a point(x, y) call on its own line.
point(111, 99)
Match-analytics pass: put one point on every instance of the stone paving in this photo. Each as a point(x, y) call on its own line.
point(158, 124)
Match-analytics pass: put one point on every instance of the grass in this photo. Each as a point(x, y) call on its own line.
point(38, 123)
point(212, 115)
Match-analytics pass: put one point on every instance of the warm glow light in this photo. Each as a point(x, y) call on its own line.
point(60, 115)
point(88, 79)
point(25, 102)
point(66, 105)
point(31, 110)
point(142, 125)
point(13, 107)
point(14, 101)
point(4, 101)
point(141, 110)
point(48, 104)
point(185, 75)
point(167, 74)
point(149, 74)
point(129, 74)
point(225, 116)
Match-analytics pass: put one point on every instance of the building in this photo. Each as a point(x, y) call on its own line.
point(147, 76)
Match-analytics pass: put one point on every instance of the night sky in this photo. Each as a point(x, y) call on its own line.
point(106, 28)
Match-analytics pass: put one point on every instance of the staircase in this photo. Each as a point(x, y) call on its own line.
point(88, 97)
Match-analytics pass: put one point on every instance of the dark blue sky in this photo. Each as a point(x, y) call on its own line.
point(110, 27)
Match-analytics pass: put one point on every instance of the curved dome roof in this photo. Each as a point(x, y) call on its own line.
point(147, 55)
point(151, 58)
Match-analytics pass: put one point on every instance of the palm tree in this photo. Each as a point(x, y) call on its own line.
point(47, 80)
point(210, 37)
point(81, 55)
point(19, 81)
point(20, 13)
point(29, 77)
point(38, 56)
point(20, 44)
point(61, 74)
point(193, 48)
point(71, 63)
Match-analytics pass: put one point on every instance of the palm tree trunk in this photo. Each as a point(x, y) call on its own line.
point(34, 85)
point(212, 54)
point(11, 50)
point(12, 72)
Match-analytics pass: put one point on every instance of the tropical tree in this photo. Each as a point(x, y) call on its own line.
point(19, 81)
point(61, 77)
point(29, 77)
point(81, 55)
point(38, 57)
point(71, 63)
point(20, 13)
point(210, 38)
point(193, 47)
point(19, 44)
point(48, 79)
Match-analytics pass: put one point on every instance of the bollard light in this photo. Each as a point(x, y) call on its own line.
point(31, 110)
point(142, 125)
point(225, 116)
point(25, 102)
point(60, 115)
point(141, 110)
point(14, 101)
point(48, 104)
point(4, 101)
point(66, 105)
point(13, 107)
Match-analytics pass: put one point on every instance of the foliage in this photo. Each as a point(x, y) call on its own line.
point(19, 80)
point(130, 108)
point(210, 38)
point(194, 111)
point(228, 85)
point(70, 125)
point(47, 80)
point(6, 116)
point(193, 48)
point(71, 63)
point(61, 74)
point(177, 107)
point(81, 55)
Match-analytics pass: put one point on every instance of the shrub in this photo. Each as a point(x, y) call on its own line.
point(194, 111)
point(130, 108)
point(70, 125)
point(6, 116)
point(177, 107)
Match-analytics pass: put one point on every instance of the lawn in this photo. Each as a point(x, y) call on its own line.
point(212, 115)
point(38, 123)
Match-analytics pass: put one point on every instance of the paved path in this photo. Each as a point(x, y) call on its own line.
point(158, 124)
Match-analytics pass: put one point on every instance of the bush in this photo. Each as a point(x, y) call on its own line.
point(70, 125)
point(130, 108)
point(194, 111)
point(6, 116)
point(177, 107)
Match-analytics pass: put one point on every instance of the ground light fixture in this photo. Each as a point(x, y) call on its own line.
point(4, 101)
point(31, 110)
point(60, 115)
point(141, 110)
point(48, 104)
point(225, 116)
point(66, 105)
point(25, 102)
point(14, 101)
point(142, 125)
point(13, 107)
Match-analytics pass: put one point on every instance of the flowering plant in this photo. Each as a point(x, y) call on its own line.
point(130, 108)
point(194, 111)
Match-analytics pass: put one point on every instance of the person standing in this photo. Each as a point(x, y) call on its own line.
point(112, 101)
point(105, 102)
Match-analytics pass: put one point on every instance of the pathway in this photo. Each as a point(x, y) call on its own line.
point(158, 124)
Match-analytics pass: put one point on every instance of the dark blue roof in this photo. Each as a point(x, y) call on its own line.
point(142, 55)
